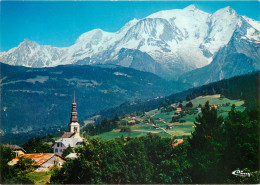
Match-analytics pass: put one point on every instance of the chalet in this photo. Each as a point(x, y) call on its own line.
point(176, 142)
point(43, 161)
point(124, 129)
point(147, 121)
point(197, 110)
point(16, 149)
point(131, 122)
point(71, 138)
point(127, 138)
point(178, 109)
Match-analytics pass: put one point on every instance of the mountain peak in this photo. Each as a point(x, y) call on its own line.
point(190, 7)
point(227, 11)
point(166, 36)
point(27, 42)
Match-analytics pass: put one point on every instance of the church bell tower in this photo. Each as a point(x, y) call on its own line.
point(74, 126)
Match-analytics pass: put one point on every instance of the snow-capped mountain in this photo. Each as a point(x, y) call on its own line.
point(240, 56)
point(176, 41)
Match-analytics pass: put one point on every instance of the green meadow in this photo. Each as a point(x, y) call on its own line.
point(163, 119)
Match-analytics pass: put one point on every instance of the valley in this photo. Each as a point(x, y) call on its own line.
point(36, 98)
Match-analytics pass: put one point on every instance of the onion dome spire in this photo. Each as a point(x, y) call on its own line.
point(74, 114)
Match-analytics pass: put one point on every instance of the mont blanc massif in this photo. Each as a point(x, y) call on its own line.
point(163, 53)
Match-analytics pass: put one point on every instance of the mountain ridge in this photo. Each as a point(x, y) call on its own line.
point(180, 40)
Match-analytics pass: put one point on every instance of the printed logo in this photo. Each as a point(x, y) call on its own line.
point(240, 173)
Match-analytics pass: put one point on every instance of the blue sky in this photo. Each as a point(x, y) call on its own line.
point(61, 23)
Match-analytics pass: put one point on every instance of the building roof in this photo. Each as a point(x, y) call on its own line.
point(131, 121)
point(15, 147)
point(69, 141)
point(72, 156)
point(67, 134)
point(176, 142)
point(39, 158)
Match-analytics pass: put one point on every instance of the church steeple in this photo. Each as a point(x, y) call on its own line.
point(74, 126)
point(74, 114)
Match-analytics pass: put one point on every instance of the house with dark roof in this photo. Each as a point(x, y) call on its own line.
point(16, 149)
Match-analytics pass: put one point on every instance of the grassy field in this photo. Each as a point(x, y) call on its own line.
point(40, 177)
point(162, 119)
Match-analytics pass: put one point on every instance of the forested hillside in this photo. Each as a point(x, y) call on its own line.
point(245, 87)
point(40, 98)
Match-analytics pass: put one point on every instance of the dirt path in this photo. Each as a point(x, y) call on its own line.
point(163, 128)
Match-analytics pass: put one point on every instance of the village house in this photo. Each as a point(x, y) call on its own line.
point(71, 138)
point(197, 110)
point(147, 121)
point(178, 110)
point(43, 161)
point(176, 142)
point(131, 122)
point(16, 149)
point(128, 138)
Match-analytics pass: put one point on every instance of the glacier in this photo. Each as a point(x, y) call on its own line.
point(178, 41)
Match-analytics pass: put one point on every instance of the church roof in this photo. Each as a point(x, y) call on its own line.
point(67, 134)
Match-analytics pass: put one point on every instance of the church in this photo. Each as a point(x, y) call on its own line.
point(71, 138)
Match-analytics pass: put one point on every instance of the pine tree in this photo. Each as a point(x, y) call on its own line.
point(204, 146)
